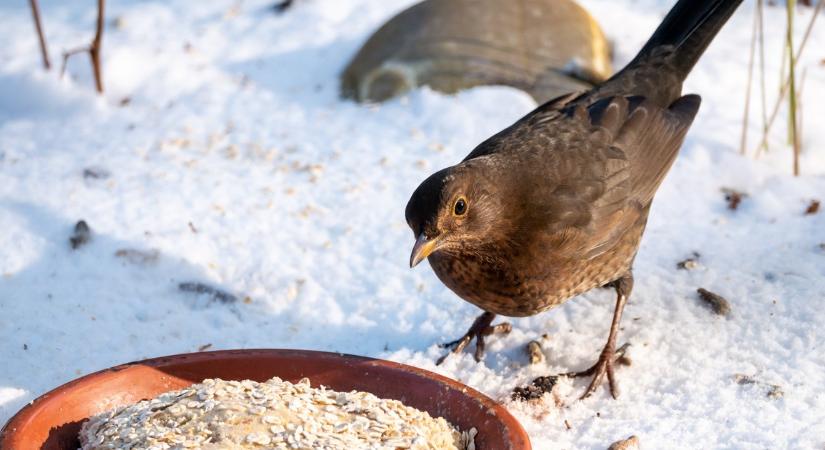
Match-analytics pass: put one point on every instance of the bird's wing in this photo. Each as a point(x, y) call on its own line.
point(608, 162)
point(650, 136)
point(504, 141)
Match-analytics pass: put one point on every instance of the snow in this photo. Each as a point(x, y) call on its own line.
point(236, 161)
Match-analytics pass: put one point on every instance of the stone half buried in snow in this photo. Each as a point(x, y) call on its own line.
point(546, 48)
point(631, 443)
point(276, 414)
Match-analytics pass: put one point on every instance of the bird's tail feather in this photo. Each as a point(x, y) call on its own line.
point(689, 28)
point(674, 48)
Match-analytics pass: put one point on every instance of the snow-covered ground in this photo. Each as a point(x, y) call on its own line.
point(221, 145)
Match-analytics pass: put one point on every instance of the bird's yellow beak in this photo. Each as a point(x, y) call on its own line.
point(422, 249)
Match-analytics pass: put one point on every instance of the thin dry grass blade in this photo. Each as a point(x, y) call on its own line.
point(786, 83)
point(793, 136)
point(744, 140)
point(760, 13)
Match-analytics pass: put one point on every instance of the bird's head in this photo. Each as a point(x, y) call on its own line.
point(450, 210)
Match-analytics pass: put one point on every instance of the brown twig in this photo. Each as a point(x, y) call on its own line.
point(39, 27)
point(93, 49)
point(69, 53)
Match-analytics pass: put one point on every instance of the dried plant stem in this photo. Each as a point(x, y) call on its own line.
point(793, 136)
point(799, 97)
point(744, 139)
point(67, 54)
point(782, 79)
point(761, 33)
point(93, 49)
point(786, 83)
point(39, 27)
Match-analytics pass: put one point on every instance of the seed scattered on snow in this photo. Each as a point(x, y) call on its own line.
point(774, 391)
point(536, 389)
point(96, 173)
point(215, 294)
point(733, 197)
point(534, 352)
point(689, 263)
point(136, 256)
point(276, 414)
point(82, 234)
point(719, 304)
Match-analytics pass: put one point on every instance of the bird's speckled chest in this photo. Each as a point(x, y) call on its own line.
point(518, 287)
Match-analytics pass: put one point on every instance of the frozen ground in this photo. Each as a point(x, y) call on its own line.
point(235, 160)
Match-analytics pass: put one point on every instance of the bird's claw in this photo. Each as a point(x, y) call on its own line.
point(604, 366)
point(478, 331)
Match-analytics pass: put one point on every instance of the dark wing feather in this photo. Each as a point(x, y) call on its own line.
point(632, 144)
point(651, 137)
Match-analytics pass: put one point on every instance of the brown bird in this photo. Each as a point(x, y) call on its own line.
point(555, 204)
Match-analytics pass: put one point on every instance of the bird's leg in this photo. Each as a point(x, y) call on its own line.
point(481, 327)
point(604, 365)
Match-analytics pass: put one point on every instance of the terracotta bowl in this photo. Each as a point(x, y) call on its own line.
point(53, 421)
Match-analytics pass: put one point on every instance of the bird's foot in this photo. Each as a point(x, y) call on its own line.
point(481, 328)
point(604, 366)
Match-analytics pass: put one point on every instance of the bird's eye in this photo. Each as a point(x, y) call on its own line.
point(460, 207)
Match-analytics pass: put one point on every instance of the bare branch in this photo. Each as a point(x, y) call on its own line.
point(39, 27)
point(67, 54)
point(92, 49)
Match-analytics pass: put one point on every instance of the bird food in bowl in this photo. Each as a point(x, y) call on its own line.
point(263, 399)
point(276, 414)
